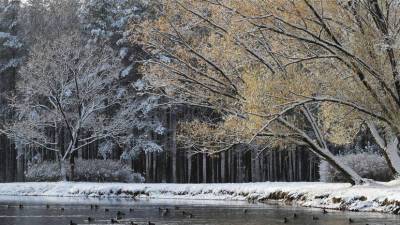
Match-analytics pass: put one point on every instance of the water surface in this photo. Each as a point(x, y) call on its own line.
point(61, 211)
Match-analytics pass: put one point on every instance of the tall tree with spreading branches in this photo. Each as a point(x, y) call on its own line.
point(321, 68)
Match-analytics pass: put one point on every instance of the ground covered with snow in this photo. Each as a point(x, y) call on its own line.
point(380, 197)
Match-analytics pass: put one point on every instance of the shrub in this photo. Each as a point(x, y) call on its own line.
point(367, 165)
point(86, 170)
point(44, 171)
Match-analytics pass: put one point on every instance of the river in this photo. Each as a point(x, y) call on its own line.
point(61, 211)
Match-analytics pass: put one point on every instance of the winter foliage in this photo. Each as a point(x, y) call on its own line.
point(85, 170)
point(366, 164)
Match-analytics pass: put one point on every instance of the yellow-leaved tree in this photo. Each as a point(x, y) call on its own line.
point(302, 71)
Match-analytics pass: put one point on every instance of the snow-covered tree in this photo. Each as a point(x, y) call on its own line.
point(65, 86)
point(105, 22)
point(11, 48)
point(48, 19)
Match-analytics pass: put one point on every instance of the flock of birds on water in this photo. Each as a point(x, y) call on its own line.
point(165, 212)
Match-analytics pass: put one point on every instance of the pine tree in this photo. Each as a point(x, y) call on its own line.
point(105, 22)
point(11, 50)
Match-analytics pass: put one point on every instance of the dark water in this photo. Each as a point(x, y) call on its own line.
point(35, 212)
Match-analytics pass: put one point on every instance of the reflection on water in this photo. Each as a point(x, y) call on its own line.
point(59, 211)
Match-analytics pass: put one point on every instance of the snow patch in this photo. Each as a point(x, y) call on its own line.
point(379, 197)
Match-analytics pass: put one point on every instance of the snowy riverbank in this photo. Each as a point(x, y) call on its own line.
point(380, 197)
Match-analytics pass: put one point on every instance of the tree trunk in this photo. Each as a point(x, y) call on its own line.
point(173, 124)
point(72, 167)
point(20, 162)
point(189, 160)
point(204, 168)
point(223, 176)
point(63, 169)
point(389, 150)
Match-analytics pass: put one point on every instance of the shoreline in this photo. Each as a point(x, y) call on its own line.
point(374, 197)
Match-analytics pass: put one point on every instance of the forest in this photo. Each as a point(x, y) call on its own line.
point(199, 91)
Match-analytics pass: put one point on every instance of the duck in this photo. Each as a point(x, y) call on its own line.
point(285, 220)
point(131, 210)
point(150, 223)
point(47, 206)
point(106, 210)
point(132, 223)
point(315, 218)
point(72, 223)
point(62, 209)
point(190, 216)
point(294, 215)
point(21, 206)
point(177, 208)
point(244, 211)
point(113, 221)
point(90, 219)
point(119, 213)
point(324, 211)
point(351, 220)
